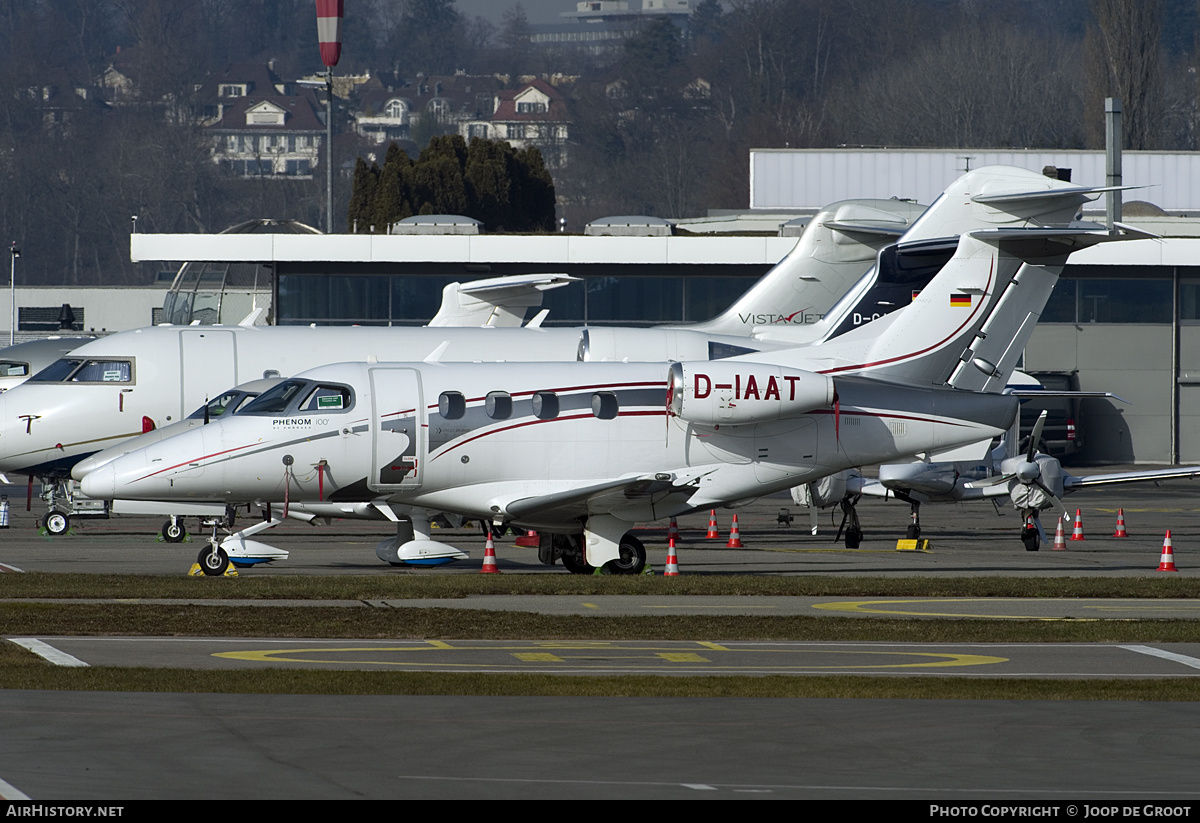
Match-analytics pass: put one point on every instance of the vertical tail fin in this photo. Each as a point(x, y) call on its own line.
point(982, 305)
point(836, 248)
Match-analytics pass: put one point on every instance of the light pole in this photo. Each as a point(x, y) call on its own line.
point(12, 329)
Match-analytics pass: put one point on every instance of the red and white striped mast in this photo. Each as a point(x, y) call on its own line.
point(329, 35)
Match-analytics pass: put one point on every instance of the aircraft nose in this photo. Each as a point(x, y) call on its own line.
point(100, 483)
point(85, 467)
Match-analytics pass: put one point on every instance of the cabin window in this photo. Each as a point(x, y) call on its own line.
point(604, 405)
point(545, 405)
point(498, 405)
point(452, 405)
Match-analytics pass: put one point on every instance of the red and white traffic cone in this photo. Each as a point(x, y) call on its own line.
point(1167, 562)
point(1060, 540)
point(713, 534)
point(1077, 534)
point(735, 536)
point(1120, 532)
point(489, 558)
point(529, 540)
point(673, 531)
point(672, 569)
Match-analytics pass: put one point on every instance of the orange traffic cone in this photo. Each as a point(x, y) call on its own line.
point(529, 540)
point(673, 531)
point(672, 569)
point(489, 558)
point(1060, 541)
point(713, 534)
point(1120, 532)
point(1167, 562)
point(1077, 534)
point(735, 536)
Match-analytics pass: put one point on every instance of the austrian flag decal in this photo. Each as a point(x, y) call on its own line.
point(960, 301)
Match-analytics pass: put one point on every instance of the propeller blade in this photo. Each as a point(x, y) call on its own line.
point(1036, 435)
point(1056, 504)
point(814, 515)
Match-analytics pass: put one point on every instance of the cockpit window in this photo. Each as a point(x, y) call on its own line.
point(328, 399)
point(277, 399)
point(301, 395)
point(11, 368)
point(76, 370)
point(57, 371)
point(229, 401)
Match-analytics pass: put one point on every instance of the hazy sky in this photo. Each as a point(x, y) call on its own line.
point(538, 11)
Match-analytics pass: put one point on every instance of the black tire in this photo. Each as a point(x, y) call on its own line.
point(913, 533)
point(1031, 540)
point(576, 566)
point(213, 565)
point(56, 523)
point(173, 532)
point(632, 559)
point(853, 538)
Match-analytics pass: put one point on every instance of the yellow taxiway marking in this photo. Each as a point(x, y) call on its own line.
point(899, 659)
point(877, 607)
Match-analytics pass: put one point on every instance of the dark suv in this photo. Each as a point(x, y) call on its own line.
point(1062, 436)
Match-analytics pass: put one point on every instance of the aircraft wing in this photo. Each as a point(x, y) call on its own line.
point(1071, 482)
point(610, 496)
point(495, 301)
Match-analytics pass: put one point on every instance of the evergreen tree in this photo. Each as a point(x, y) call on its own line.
point(393, 201)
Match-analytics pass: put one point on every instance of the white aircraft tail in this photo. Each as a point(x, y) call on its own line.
point(836, 248)
point(969, 325)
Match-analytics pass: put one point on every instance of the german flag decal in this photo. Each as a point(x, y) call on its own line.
point(960, 301)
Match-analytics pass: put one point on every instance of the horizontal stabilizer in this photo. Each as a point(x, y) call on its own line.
point(1085, 192)
point(495, 301)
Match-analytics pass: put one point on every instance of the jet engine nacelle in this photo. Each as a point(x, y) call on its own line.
point(729, 393)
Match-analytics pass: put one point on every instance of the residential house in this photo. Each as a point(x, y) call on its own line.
point(533, 115)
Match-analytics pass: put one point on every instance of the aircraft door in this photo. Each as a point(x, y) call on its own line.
point(398, 430)
point(208, 366)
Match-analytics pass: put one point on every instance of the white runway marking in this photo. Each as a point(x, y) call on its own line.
point(10, 792)
point(48, 652)
point(1178, 658)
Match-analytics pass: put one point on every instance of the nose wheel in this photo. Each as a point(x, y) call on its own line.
point(213, 559)
point(56, 523)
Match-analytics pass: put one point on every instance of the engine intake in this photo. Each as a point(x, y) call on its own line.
point(724, 393)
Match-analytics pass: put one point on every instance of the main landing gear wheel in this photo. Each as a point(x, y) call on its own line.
point(56, 523)
point(173, 531)
point(913, 533)
point(574, 565)
point(213, 563)
point(632, 559)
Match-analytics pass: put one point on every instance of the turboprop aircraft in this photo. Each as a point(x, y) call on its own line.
point(1033, 482)
point(113, 389)
point(579, 451)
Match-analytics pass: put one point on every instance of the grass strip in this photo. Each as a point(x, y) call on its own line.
point(415, 584)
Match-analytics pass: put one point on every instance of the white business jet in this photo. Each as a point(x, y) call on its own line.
point(582, 451)
point(138, 381)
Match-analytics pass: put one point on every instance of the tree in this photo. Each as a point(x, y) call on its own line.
point(1124, 51)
